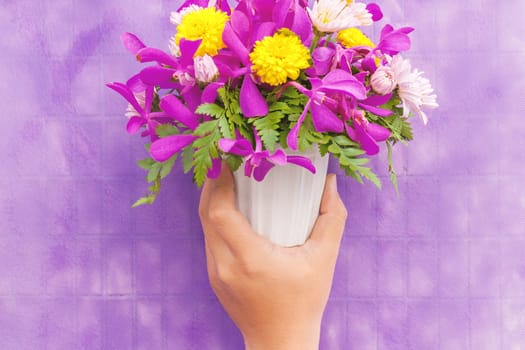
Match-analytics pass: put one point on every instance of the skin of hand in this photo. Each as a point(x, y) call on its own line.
point(276, 296)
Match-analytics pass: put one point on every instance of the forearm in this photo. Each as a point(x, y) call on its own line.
point(294, 338)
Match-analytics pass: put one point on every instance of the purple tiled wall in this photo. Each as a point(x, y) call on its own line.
point(442, 266)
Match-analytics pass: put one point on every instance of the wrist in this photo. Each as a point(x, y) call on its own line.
point(292, 338)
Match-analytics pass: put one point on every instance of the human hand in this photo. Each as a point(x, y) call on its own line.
point(275, 295)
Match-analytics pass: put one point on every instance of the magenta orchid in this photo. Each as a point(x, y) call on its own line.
point(259, 162)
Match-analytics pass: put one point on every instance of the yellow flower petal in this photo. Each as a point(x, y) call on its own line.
point(279, 57)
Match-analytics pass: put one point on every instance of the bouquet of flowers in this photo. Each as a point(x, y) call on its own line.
point(260, 84)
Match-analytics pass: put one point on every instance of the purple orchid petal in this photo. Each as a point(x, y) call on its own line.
point(378, 132)
point(322, 57)
point(260, 172)
point(242, 26)
point(264, 9)
point(235, 44)
point(158, 76)
point(201, 3)
point(215, 170)
point(302, 24)
point(376, 110)
point(263, 30)
point(134, 124)
point(192, 97)
point(375, 10)
point(210, 92)
point(278, 158)
point(293, 136)
point(131, 42)
point(369, 64)
point(282, 12)
point(125, 92)
point(377, 100)
point(136, 84)
point(253, 104)
point(388, 28)
point(394, 41)
point(164, 148)
point(346, 61)
point(187, 50)
point(240, 147)
point(344, 82)
point(248, 168)
point(224, 6)
point(149, 54)
point(325, 120)
point(303, 162)
point(368, 144)
point(178, 111)
point(148, 98)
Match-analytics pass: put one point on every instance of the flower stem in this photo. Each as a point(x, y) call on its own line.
point(315, 41)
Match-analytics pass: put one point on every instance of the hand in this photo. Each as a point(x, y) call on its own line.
point(276, 296)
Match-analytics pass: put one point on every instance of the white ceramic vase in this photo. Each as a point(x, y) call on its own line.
point(285, 205)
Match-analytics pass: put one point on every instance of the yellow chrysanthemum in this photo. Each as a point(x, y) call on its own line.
point(353, 37)
point(206, 24)
point(279, 57)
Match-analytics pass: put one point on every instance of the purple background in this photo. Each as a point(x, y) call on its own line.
point(440, 267)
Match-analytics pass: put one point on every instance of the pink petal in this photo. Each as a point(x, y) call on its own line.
point(252, 102)
point(149, 54)
point(125, 92)
point(164, 148)
point(260, 171)
point(279, 157)
point(241, 147)
point(178, 111)
point(325, 120)
point(131, 42)
point(134, 124)
point(303, 162)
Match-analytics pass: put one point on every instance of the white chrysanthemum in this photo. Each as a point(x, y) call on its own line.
point(173, 47)
point(141, 99)
point(414, 90)
point(330, 16)
point(205, 69)
point(176, 17)
point(383, 80)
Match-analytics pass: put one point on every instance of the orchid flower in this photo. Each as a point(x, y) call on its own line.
point(258, 162)
point(365, 133)
point(321, 105)
point(140, 98)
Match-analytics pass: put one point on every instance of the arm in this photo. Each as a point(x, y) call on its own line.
point(276, 296)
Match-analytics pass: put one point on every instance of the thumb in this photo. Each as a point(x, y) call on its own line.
point(329, 227)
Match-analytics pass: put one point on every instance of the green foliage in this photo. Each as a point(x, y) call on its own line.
point(234, 162)
point(348, 153)
point(211, 109)
point(232, 108)
point(393, 175)
point(268, 128)
point(166, 130)
point(206, 149)
point(156, 172)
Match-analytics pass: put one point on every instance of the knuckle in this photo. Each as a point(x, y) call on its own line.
point(217, 215)
point(224, 274)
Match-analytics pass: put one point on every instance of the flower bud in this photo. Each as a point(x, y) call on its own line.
point(205, 69)
point(383, 81)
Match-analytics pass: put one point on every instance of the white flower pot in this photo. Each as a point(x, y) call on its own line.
point(285, 205)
